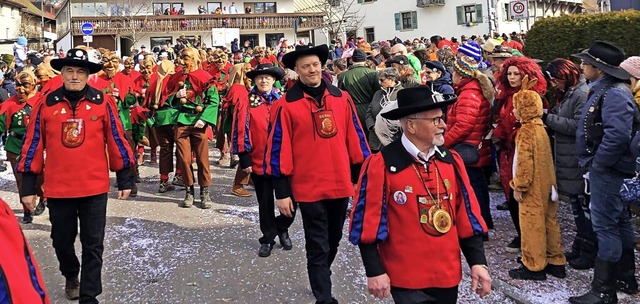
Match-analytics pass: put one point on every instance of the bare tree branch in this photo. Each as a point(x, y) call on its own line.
point(340, 16)
point(125, 11)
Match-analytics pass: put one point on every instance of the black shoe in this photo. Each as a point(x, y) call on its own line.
point(333, 301)
point(575, 249)
point(523, 273)
point(285, 241)
point(265, 250)
point(557, 271)
point(42, 204)
point(485, 237)
point(514, 246)
point(582, 262)
point(603, 289)
point(138, 179)
point(503, 206)
point(27, 218)
point(628, 287)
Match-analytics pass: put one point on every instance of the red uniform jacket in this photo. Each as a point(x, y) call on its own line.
point(199, 80)
point(75, 142)
point(105, 84)
point(267, 59)
point(387, 212)
point(18, 268)
point(220, 77)
point(140, 86)
point(249, 132)
point(134, 74)
point(469, 119)
point(318, 167)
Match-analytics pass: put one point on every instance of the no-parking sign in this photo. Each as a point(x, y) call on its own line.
point(519, 9)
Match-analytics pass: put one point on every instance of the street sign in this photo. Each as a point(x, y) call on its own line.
point(87, 28)
point(87, 38)
point(519, 9)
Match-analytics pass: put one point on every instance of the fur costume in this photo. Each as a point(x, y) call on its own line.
point(534, 176)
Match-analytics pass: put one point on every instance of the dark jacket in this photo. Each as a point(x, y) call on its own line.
point(10, 86)
point(4, 95)
point(563, 121)
point(442, 85)
point(361, 83)
point(605, 127)
point(372, 113)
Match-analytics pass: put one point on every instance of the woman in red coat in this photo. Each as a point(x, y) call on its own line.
point(509, 81)
point(468, 121)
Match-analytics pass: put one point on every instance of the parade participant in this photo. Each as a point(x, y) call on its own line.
point(110, 81)
point(508, 83)
point(314, 116)
point(21, 278)
point(192, 93)
point(43, 74)
point(138, 111)
point(535, 189)
point(129, 70)
point(220, 70)
point(261, 56)
point(603, 145)
point(15, 114)
point(74, 125)
point(414, 199)
point(163, 118)
point(240, 85)
point(360, 82)
point(251, 118)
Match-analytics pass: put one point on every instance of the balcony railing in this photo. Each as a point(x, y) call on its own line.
point(124, 24)
point(426, 3)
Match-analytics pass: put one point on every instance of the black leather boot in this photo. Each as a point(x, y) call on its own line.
point(587, 257)
point(575, 249)
point(626, 281)
point(603, 289)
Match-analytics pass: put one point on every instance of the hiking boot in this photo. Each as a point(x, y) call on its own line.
point(239, 190)
point(188, 198)
point(223, 160)
point(514, 246)
point(42, 204)
point(72, 289)
point(177, 180)
point(523, 273)
point(165, 186)
point(28, 217)
point(558, 271)
point(205, 200)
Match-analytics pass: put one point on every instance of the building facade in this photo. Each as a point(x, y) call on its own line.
point(24, 18)
point(408, 19)
point(123, 25)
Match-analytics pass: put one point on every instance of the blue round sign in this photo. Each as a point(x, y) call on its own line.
point(87, 28)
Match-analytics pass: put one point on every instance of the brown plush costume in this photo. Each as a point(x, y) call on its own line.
point(534, 177)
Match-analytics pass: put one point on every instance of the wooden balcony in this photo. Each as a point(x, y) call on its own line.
point(427, 3)
point(123, 25)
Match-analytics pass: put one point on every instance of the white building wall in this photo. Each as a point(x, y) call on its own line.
point(9, 27)
point(537, 9)
point(206, 38)
point(102, 8)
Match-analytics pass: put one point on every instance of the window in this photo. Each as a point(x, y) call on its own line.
point(467, 14)
point(212, 6)
point(165, 7)
point(334, 2)
point(262, 7)
point(406, 21)
point(369, 34)
point(506, 13)
point(273, 39)
point(159, 41)
point(366, 1)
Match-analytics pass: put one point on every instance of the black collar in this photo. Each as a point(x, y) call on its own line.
point(93, 95)
point(296, 93)
point(397, 158)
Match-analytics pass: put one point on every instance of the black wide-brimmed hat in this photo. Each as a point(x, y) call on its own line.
point(418, 99)
point(76, 58)
point(322, 51)
point(606, 57)
point(268, 69)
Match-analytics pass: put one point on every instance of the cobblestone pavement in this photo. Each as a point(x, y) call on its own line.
point(156, 252)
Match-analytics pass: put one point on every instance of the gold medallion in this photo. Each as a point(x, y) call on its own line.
point(442, 221)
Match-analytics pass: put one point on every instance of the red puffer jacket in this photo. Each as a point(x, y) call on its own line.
point(469, 119)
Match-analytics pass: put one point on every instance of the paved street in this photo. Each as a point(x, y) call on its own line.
point(157, 252)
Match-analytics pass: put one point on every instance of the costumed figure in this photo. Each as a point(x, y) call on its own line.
point(139, 113)
point(128, 70)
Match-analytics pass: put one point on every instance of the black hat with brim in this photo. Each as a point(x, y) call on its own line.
point(76, 58)
point(418, 99)
point(322, 51)
point(266, 69)
point(606, 57)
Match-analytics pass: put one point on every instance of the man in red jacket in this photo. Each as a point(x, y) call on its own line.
point(415, 211)
point(74, 124)
point(314, 151)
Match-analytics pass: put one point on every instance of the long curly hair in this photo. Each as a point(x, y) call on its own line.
point(526, 66)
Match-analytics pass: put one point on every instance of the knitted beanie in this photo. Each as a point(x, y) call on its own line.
point(632, 66)
point(471, 49)
point(466, 66)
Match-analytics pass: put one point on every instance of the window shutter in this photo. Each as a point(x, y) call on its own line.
point(479, 18)
point(398, 23)
point(359, 1)
point(460, 14)
point(414, 20)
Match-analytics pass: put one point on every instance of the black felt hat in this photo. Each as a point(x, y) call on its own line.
point(418, 99)
point(606, 57)
point(76, 58)
point(322, 51)
point(266, 69)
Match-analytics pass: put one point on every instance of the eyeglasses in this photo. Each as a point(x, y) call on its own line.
point(435, 120)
